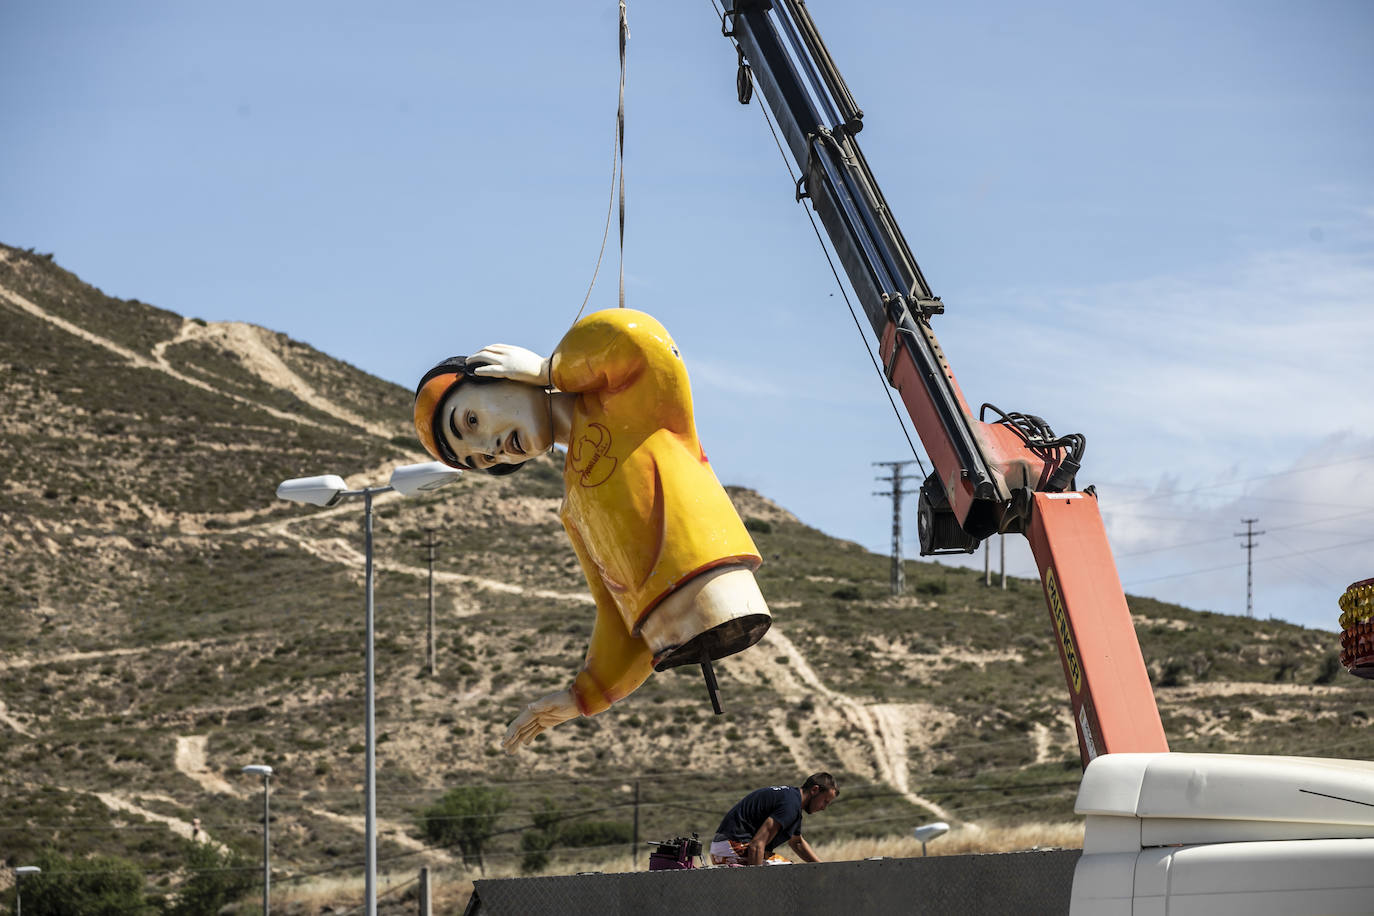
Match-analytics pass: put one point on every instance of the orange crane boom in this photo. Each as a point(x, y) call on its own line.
point(1011, 475)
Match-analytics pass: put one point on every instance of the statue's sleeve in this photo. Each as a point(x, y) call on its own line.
point(602, 351)
point(616, 663)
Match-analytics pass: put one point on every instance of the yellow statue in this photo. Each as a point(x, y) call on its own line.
point(664, 552)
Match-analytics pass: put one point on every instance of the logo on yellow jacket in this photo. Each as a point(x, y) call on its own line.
point(589, 458)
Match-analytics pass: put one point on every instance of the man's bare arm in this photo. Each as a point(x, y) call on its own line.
point(758, 846)
point(803, 848)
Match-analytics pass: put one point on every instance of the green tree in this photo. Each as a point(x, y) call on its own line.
point(98, 886)
point(214, 877)
point(465, 817)
point(539, 842)
point(553, 828)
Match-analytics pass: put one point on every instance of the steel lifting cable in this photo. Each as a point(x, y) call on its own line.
point(620, 143)
point(617, 175)
point(605, 233)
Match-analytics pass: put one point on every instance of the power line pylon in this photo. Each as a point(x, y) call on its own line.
point(987, 561)
point(1249, 534)
point(432, 660)
point(898, 577)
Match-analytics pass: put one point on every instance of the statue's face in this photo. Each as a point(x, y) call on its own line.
point(503, 422)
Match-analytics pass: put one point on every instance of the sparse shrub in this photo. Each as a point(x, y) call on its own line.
point(1201, 664)
point(215, 879)
point(847, 593)
point(465, 817)
point(1173, 673)
point(759, 525)
point(594, 833)
point(1330, 667)
point(550, 828)
point(932, 587)
point(536, 855)
point(85, 887)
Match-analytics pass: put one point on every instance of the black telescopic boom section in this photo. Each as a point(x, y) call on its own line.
point(849, 109)
point(818, 118)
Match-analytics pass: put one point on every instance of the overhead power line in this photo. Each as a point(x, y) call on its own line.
point(1300, 553)
point(1231, 483)
point(431, 658)
point(1307, 524)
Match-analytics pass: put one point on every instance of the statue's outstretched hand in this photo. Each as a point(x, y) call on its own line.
point(545, 712)
point(514, 363)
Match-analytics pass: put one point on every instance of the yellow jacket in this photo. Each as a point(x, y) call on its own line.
point(642, 507)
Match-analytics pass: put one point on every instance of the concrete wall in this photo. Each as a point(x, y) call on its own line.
point(1024, 883)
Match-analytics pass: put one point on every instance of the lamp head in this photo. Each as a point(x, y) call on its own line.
point(258, 769)
point(317, 491)
point(927, 832)
point(409, 479)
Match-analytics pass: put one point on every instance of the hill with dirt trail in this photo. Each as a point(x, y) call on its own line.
point(167, 621)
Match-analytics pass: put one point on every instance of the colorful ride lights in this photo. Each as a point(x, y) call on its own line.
point(1357, 628)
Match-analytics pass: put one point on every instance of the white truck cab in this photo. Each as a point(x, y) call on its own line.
point(1216, 834)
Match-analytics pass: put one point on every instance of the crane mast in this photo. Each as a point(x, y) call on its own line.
point(1012, 475)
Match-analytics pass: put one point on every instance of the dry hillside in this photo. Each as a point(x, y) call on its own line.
point(166, 621)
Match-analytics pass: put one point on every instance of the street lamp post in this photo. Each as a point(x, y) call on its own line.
point(265, 772)
point(19, 874)
point(327, 491)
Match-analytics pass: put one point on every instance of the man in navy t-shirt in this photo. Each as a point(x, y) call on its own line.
point(766, 817)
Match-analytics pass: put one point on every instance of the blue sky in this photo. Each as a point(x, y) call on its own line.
point(1151, 225)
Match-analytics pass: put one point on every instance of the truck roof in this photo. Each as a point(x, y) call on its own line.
point(1313, 790)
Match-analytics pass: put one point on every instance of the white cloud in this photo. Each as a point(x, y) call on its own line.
point(1244, 392)
point(1206, 371)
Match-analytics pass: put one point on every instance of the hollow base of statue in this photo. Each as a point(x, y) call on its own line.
point(715, 614)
